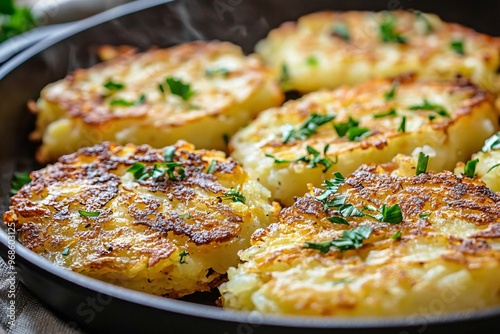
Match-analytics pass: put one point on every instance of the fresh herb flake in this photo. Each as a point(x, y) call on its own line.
point(126, 103)
point(470, 168)
point(391, 214)
point(285, 74)
point(234, 195)
point(389, 113)
point(180, 88)
point(185, 215)
point(141, 173)
point(308, 128)
point(182, 256)
point(341, 30)
point(351, 130)
point(314, 158)
point(350, 239)
point(397, 235)
point(424, 215)
point(65, 251)
point(212, 167)
point(402, 126)
point(169, 153)
point(19, 179)
point(112, 85)
point(342, 128)
point(492, 143)
point(137, 170)
point(15, 20)
point(312, 61)
point(356, 133)
point(332, 186)
point(458, 47)
point(428, 106)
point(276, 160)
point(493, 167)
point(388, 31)
point(389, 95)
point(84, 213)
point(422, 161)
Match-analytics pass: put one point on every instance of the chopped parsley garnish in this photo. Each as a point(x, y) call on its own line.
point(356, 133)
point(389, 95)
point(422, 161)
point(424, 215)
point(349, 210)
point(285, 74)
point(423, 18)
point(351, 130)
point(182, 256)
point(316, 158)
point(492, 143)
point(388, 31)
point(212, 167)
point(391, 214)
point(396, 235)
point(312, 61)
point(137, 170)
point(112, 85)
point(140, 171)
point(276, 160)
point(332, 186)
point(457, 46)
point(308, 128)
point(350, 239)
point(179, 88)
point(426, 105)
point(402, 126)
point(341, 30)
point(84, 213)
point(169, 153)
point(126, 103)
point(389, 113)
point(470, 168)
point(493, 167)
point(234, 195)
point(342, 128)
point(185, 215)
point(65, 251)
point(431, 117)
point(19, 179)
point(210, 72)
point(14, 20)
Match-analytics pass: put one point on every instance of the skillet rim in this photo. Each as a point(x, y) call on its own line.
point(189, 308)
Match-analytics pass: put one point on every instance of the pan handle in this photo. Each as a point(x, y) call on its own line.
point(13, 46)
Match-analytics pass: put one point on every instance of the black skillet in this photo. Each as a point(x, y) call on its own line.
point(100, 307)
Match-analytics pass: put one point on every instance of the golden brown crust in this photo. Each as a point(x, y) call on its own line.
point(425, 48)
point(142, 226)
point(447, 238)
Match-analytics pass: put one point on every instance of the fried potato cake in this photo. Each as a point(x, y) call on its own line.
point(306, 140)
point(163, 222)
point(375, 245)
point(201, 92)
point(329, 49)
